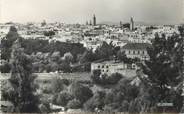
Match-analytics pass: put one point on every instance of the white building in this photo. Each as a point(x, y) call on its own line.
point(136, 50)
point(110, 67)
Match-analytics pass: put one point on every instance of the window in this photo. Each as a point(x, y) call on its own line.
point(142, 52)
point(102, 66)
point(107, 66)
point(138, 52)
point(129, 52)
point(98, 66)
point(107, 70)
point(133, 52)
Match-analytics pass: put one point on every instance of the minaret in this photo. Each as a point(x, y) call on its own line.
point(131, 24)
point(94, 20)
point(121, 25)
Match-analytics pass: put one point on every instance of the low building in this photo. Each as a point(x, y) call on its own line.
point(136, 50)
point(110, 67)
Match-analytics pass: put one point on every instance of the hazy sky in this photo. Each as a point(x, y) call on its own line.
point(73, 11)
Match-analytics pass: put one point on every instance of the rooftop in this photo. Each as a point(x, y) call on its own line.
point(136, 46)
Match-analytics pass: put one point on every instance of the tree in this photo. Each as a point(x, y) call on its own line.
point(63, 98)
point(95, 102)
point(105, 51)
point(121, 56)
point(164, 69)
point(80, 92)
point(22, 94)
point(88, 56)
point(74, 104)
point(114, 78)
point(68, 57)
point(57, 85)
point(7, 43)
point(49, 33)
point(65, 67)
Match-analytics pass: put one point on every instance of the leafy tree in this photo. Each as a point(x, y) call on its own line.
point(49, 33)
point(63, 98)
point(121, 56)
point(105, 51)
point(88, 56)
point(7, 43)
point(80, 92)
point(74, 104)
point(164, 69)
point(68, 57)
point(96, 76)
point(104, 79)
point(114, 78)
point(45, 106)
point(95, 102)
point(22, 94)
point(65, 67)
point(57, 85)
point(5, 68)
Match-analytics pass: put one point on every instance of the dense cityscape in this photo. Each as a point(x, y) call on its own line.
point(94, 67)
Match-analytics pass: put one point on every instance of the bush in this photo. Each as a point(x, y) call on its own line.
point(65, 81)
point(114, 78)
point(96, 102)
point(95, 77)
point(63, 98)
point(47, 90)
point(5, 68)
point(74, 104)
point(80, 92)
point(45, 107)
point(103, 79)
point(57, 85)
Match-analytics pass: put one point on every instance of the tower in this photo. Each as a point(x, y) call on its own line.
point(94, 20)
point(131, 24)
point(120, 24)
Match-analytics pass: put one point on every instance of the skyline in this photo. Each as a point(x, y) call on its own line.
point(80, 11)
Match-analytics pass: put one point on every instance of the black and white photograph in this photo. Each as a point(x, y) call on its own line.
point(92, 56)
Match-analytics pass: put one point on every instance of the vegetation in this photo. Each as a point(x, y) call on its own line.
point(80, 92)
point(104, 79)
point(63, 98)
point(74, 104)
point(164, 70)
point(22, 87)
point(7, 43)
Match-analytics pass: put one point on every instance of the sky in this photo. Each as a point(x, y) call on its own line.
point(79, 11)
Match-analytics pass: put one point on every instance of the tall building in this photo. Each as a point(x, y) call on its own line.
point(131, 24)
point(94, 20)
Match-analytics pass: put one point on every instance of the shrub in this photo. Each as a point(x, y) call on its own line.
point(45, 106)
point(95, 76)
point(47, 90)
point(5, 68)
point(103, 79)
point(65, 81)
point(57, 85)
point(114, 78)
point(63, 98)
point(96, 102)
point(80, 92)
point(74, 104)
